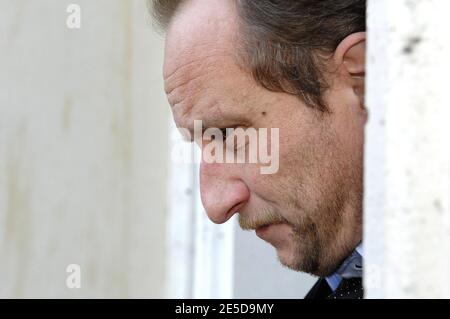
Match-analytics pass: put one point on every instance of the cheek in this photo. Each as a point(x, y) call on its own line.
point(297, 160)
point(349, 129)
point(306, 165)
point(261, 184)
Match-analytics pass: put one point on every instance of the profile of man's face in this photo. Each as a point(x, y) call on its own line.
point(310, 210)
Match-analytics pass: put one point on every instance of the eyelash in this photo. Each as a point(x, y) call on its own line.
point(224, 130)
point(224, 133)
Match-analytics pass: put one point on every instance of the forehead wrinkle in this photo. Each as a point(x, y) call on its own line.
point(171, 82)
point(187, 86)
point(180, 60)
point(184, 90)
point(186, 97)
point(180, 72)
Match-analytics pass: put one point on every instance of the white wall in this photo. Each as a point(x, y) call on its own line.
point(83, 150)
point(407, 208)
point(259, 274)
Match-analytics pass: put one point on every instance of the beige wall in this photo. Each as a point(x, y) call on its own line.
point(83, 150)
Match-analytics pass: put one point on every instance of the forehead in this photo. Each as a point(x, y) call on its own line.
point(210, 89)
point(198, 29)
point(200, 70)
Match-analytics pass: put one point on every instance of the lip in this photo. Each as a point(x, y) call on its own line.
point(260, 231)
point(263, 231)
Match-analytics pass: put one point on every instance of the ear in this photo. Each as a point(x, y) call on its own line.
point(350, 57)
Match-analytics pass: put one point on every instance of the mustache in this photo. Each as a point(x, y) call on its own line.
point(266, 217)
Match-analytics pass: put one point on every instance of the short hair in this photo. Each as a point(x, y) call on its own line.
point(287, 42)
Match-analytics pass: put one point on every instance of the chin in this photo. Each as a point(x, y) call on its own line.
point(306, 263)
point(289, 260)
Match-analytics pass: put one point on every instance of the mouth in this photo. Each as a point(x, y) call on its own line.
point(262, 230)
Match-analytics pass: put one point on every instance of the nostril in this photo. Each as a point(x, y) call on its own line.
point(233, 210)
point(222, 216)
point(222, 195)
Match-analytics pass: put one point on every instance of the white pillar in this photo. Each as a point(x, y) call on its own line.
point(407, 213)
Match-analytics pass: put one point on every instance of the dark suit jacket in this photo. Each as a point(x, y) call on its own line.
point(321, 290)
point(352, 289)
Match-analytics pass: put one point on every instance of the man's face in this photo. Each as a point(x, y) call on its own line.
point(311, 208)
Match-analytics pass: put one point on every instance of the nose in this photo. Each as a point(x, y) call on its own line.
point(222, 192)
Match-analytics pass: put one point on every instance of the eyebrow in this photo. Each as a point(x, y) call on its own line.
point(219, 114)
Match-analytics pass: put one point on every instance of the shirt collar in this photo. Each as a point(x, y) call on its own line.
point(350, 268)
